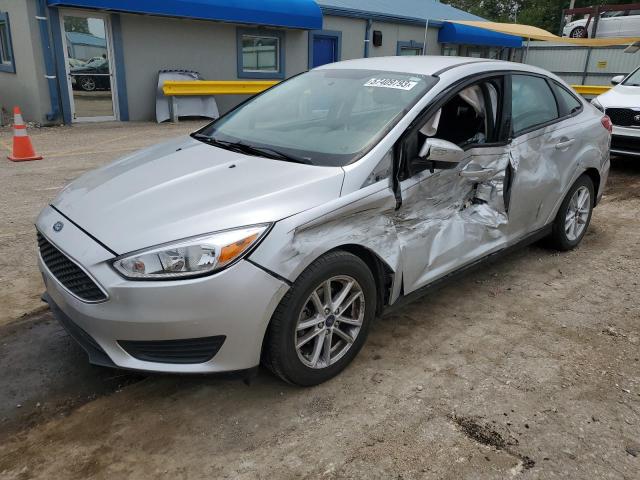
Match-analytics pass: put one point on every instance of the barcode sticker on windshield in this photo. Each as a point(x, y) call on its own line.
point(391, 83)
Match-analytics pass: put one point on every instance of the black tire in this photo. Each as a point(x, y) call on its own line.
point(559, 239)
point(279, 351)
point(579, 32)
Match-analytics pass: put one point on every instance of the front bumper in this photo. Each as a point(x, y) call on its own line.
point(236, 303)
point(625, 141)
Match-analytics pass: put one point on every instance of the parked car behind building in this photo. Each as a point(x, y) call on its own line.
point(94, 75)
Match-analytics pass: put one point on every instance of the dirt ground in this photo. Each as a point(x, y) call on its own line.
point(528, 368)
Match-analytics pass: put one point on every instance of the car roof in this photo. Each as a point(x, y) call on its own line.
point(429, 64)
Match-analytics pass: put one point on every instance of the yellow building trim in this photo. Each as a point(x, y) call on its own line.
point(591, 89)
point(216, 87)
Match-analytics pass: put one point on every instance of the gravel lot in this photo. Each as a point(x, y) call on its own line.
point(528, 368)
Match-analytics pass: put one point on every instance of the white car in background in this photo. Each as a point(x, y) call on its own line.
point(611, 24)
point(622, 105)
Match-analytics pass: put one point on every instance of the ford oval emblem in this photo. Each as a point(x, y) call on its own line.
point(58, 226)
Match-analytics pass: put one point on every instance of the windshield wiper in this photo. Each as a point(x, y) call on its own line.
point(252, 150)
point(270, 153)
point(214, 141)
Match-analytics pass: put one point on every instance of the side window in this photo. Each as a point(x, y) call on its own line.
point(470, 117)
point(467, 119)
point(532, 103)
point(570, 104)
point(260, 53)
point(6, 50)
point(450, 50)
point(409, 48)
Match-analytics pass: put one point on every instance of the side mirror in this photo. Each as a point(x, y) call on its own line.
point(441, 151)
point(436, 153)
point(617, 80)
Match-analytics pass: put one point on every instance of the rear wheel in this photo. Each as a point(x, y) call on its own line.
point(574, 215)
point(323, 321)
point(578, 32)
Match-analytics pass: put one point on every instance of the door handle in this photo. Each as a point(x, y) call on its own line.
point(478, 174)
point(565, 144)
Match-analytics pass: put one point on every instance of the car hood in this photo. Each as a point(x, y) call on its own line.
point(184, 187)
point(621, 96)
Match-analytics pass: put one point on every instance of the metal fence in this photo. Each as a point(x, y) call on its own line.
point(582, 65)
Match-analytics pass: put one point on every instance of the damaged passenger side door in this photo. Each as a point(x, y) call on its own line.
point(454, 212)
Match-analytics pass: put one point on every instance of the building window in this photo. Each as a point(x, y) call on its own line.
point(476, 52)
point(449, 50)
point(6, 50)
point(260, 54)
point(409, 48)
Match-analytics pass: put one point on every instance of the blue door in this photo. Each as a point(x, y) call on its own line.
point(325, 50)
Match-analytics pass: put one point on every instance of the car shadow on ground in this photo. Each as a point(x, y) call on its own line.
point(46, 374)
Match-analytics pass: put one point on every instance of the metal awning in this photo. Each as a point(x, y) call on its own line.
point(304, 14)
point(471, 35)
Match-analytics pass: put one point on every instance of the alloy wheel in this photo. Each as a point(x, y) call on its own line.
point(579, 32)
point(330, 321)
point(88, 84)
point(577, 213)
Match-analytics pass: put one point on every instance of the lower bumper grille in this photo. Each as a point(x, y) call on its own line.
point(624, 117)
point(70, 275)
point(97, 355)
point(619, 142)
point(190, 350)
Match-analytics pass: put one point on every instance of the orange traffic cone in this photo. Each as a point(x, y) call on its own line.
point(22, 148)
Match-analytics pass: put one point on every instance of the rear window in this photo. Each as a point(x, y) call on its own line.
point(568, 100)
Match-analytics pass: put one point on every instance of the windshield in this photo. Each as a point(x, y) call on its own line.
point(633, 80)
point(322, 117)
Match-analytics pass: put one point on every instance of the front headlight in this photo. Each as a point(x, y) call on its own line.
point(597, 104)
point(190, 257)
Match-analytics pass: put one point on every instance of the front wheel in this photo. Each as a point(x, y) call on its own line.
point(322, 322)
point(574, 215)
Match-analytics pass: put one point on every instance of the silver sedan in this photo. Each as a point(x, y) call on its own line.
point(278, 232)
